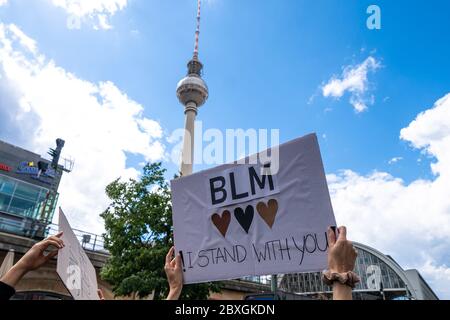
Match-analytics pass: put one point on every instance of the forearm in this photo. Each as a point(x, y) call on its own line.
point(341, 292)
point(14, 275)
point(174, 294)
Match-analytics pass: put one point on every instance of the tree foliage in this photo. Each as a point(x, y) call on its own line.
point(139, 234)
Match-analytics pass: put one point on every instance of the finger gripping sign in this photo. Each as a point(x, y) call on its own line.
point(242, 219)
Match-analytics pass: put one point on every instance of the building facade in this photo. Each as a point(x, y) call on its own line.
point(381, 278)
point(28, 191)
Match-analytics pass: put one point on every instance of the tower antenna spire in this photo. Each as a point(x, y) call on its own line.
point(192, 92)
point(197, 31)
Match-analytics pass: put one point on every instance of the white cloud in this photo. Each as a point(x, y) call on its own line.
point(395, 160)
point(88, 7)
point(409, 221)
point(103, 22)
point(97, 11)
point(24, 40)
point(40, 102)
point(354, 79)
point(431, 132)
point(439, 275)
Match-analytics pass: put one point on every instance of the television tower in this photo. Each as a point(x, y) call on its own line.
point(192, 92)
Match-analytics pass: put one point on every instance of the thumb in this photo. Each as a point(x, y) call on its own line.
point(178, 262)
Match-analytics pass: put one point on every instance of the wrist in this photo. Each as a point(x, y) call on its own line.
point(341, 291)
point(174, 293)
point(340, 269)
point(176, 288)
point(20, 268)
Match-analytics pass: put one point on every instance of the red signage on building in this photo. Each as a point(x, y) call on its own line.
point(4, 167)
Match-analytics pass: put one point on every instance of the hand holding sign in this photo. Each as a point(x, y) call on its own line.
point(244, 219)
point(341, 263)
point(342, 255)
point(36, 257)
point(173, 269)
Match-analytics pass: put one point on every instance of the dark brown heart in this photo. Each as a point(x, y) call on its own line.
point(223, 222)
point(268, 212)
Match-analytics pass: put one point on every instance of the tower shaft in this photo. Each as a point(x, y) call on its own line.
point(187, 161)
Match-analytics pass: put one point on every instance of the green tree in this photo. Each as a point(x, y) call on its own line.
point(139, 234)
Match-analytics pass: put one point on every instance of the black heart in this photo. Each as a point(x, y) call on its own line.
point(245, 219)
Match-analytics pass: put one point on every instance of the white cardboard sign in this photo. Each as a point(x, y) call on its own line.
point(234, 221)
point(74, 267)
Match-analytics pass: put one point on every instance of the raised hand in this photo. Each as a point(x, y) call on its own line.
point(33, 259)
point(36, 257)
point(341, 255)
point(174, 272)
point(101, 296)
point(341, 262)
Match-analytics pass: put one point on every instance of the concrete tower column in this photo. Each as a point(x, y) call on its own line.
point(187, 160)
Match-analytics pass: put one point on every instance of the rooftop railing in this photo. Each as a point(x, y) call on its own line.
point(89, 241)
point(37, 230)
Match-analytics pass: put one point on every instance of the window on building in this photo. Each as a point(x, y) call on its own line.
point(20, 198)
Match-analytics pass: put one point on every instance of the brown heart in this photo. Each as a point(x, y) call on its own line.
point(268, 212)
point(223, 222)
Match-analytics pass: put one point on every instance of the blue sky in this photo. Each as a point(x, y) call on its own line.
point(264, 60)
point(266, 64)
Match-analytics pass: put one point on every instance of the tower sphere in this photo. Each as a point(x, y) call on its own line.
point(192, 88)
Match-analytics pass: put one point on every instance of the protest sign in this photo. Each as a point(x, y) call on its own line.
point(237, 220)
point(73, 266)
